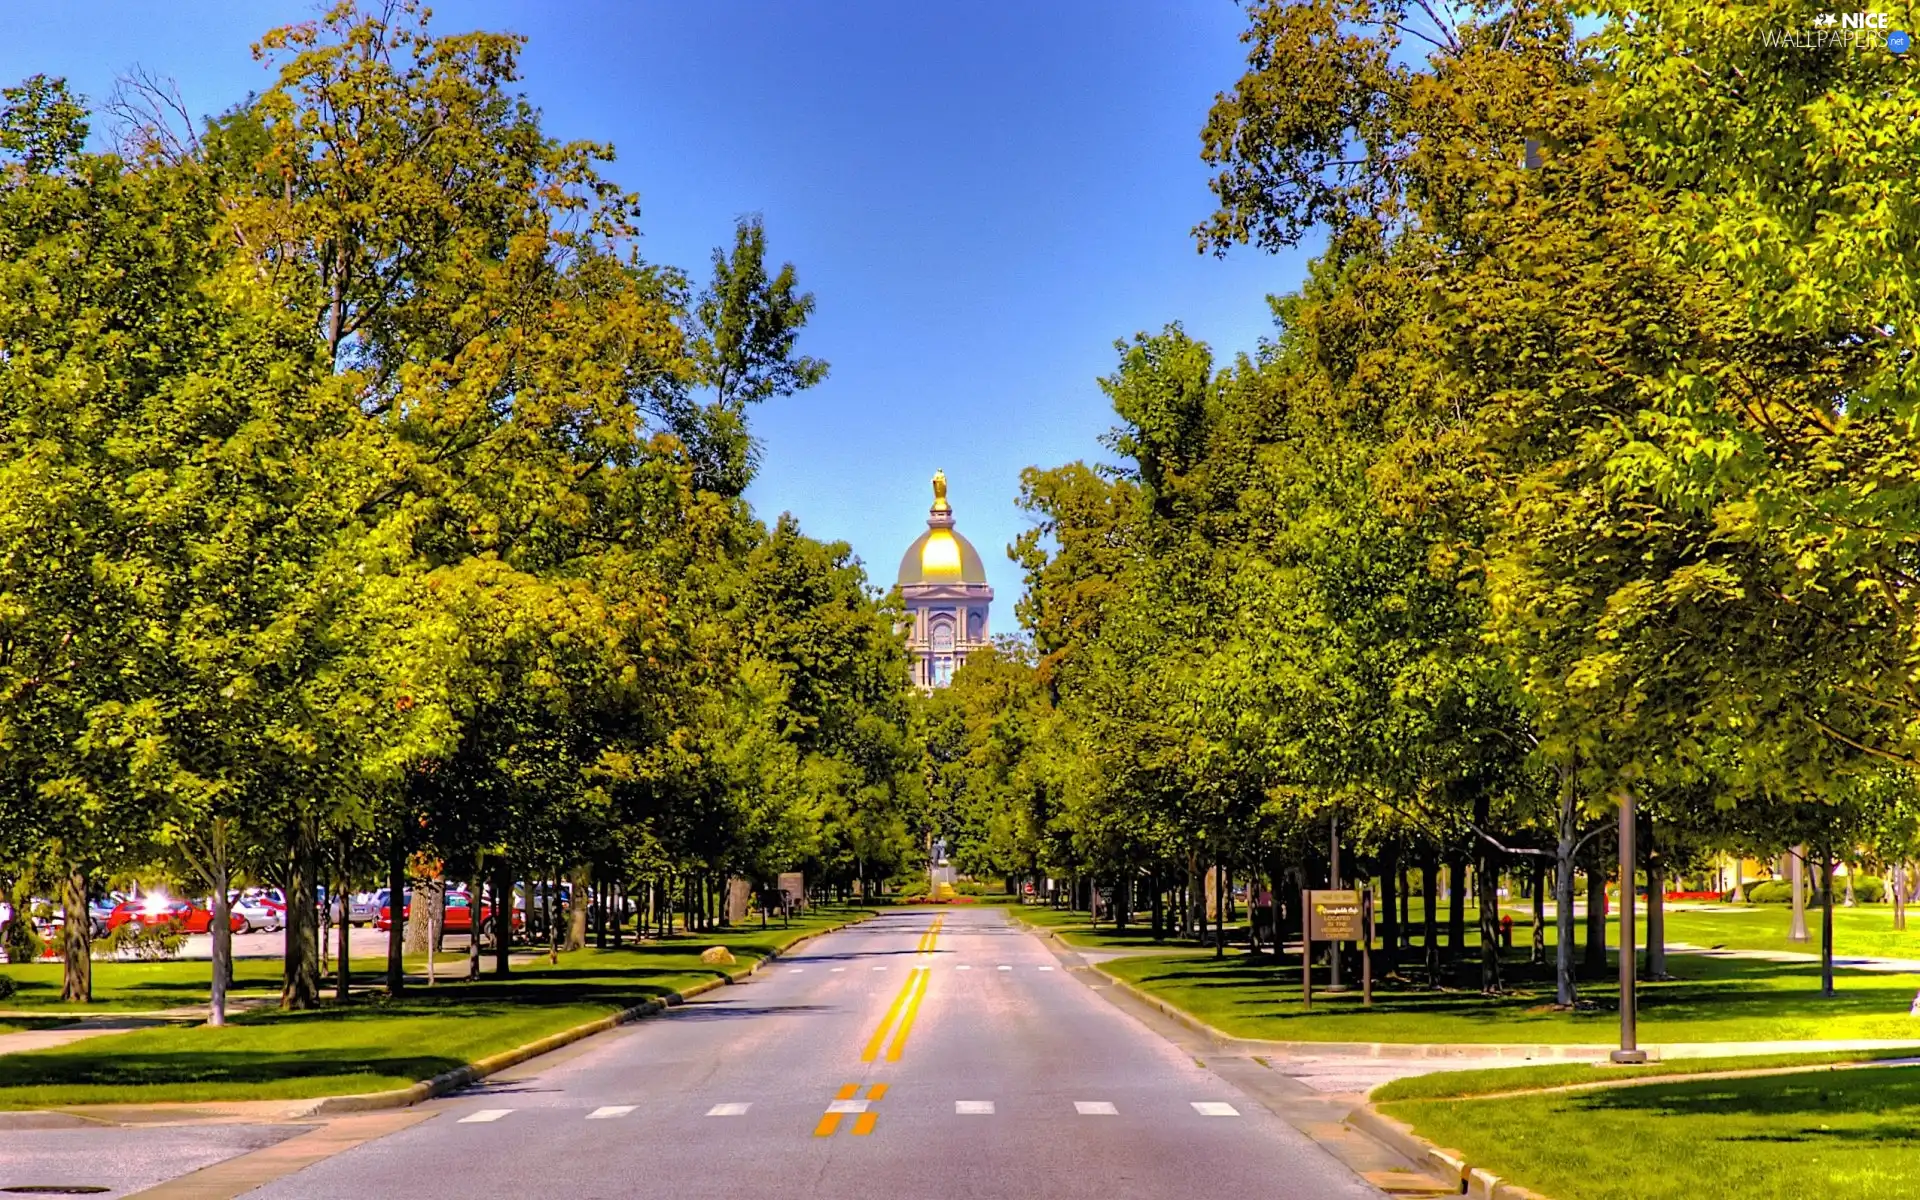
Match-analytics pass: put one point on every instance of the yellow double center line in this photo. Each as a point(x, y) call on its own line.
point(906, 1006)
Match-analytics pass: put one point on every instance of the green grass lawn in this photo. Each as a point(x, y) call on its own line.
point(1459, 1085)
point(1712, 1000)
point(146, 986)
point(375, 1043)
point(1848, 1133)
point(1078, 929)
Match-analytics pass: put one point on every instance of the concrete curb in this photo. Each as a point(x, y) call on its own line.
point(1447, 1164)
point(459, 1077)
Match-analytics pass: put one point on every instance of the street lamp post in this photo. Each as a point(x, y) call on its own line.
point(1628, 1051)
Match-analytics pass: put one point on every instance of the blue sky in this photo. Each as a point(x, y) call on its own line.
point(982, 197)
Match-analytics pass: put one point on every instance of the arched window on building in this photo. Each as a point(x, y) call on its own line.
point(942, 635)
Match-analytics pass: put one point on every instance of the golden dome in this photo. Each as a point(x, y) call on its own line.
point(941, 555)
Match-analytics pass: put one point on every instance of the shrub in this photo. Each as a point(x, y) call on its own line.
point(155, 944)
point(1770, 891)
point(6, 986)
point(1867, 889)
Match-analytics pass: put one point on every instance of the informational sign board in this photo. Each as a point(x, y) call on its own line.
point(1334, 916)
point(794, 884)
point(1337, 916)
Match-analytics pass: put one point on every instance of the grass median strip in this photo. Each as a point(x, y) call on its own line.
point(1850, 1131)
point(1710, 1000)
point(375, 1043)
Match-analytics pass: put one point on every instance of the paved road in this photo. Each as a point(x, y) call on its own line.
point(895, 1059)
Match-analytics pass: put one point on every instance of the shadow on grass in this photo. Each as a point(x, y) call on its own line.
point(1880, 1090)
point(208, 1066)
point(1704, 989)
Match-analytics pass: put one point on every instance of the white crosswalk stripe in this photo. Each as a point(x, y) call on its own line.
point(609, 1111)
point(1095, 1108)
point(484, 1115)
point(732, 1109)
point(1215, 1108)
point(973, 1108)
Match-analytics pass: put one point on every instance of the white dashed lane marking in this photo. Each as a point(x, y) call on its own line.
point(1046, 968)
point(962, 967)
point(795, 970)
point(730, 1110)
point(1005, 967)
point(973, 1108)
point(882, 968)
point(1215, 1108)
point(847, 1106)
point(836, 970)
point(1095, 1108)
point(609, 1111)
point(484, 1115)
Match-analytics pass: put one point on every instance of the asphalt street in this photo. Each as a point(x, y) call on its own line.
point(921, 1054)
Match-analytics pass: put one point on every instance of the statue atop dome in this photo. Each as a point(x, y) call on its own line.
point(940, 492)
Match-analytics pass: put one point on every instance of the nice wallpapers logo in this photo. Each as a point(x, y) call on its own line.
point(1853, 30)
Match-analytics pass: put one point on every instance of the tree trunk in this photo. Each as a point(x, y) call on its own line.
point(577, 925)
point(1390, 927)
point(1487, 877)
point(1219, 911)
point(553, 917)
point(76, 940)
point(221, 928)
point(1430, 900)
point(1456, 909)
point(502, 917)
point(1826, 923)
point(476, 904)
point(1796, 870)
point(1159, 909)
point(396, 927)
point(1565, 989)
point(1596, 960)
point(1899, 882)
point(420, 916)
point(1539, 939)
point(1406, 907)
point(300, 980)
point(343, 954)
point(1656, 909)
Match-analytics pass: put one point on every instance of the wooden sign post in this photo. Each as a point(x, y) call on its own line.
point(1306, 951)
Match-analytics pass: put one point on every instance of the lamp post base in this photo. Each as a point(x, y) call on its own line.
point(1628, 1057)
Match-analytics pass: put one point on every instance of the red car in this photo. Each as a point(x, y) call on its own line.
point(184, 915)
point(459, 918)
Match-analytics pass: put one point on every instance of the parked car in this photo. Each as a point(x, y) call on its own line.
point(259, 912)
point(155, 911)
point(365, 907)
point(459, 914)
point(98, 910)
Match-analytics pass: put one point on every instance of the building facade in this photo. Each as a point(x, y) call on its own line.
point(944, 586)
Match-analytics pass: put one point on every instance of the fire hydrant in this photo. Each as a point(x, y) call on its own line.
point(1506, 931)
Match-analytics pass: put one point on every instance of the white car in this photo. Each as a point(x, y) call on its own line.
point(254, 909)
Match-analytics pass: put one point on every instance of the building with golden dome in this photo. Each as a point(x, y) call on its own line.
point(944, 586)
